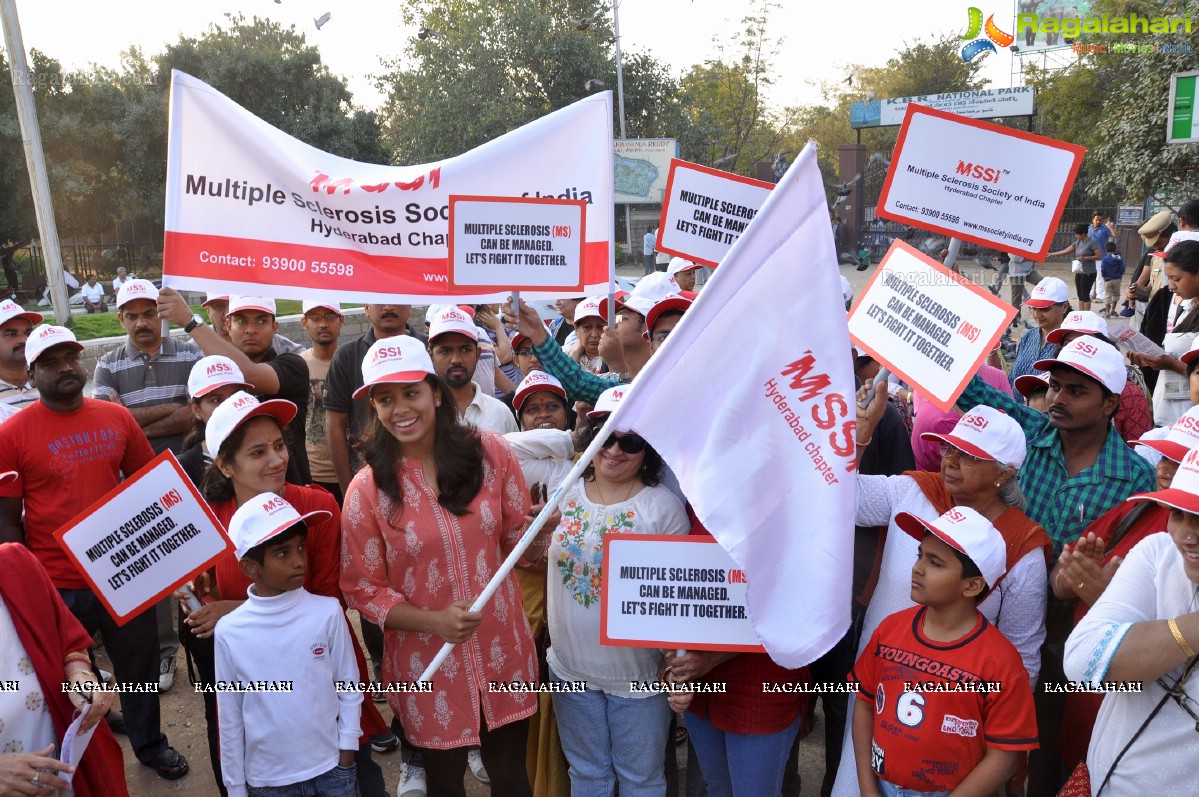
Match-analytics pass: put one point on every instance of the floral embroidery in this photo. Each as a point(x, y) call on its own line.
point(412, 540)
point(434, 581)
point(372, 559)
point(413, 713)
point(441, 709)
point(25, 665)
point(496, 653)
point(579, 561)
point(487, 519)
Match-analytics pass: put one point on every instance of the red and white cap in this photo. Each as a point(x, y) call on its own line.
point(609, 400)
point(332, 306)
point(1049, 291)
point(1079, 321)
point(212, 372)
point(1192, 354)
point(589, 308)
point(674, 301)
point(619, 296)
point(535, 382)
point(136, 289)
point(215, 297)
point(239, 304)
point(10, 310)
point(678, 264)
point(7, 476)
point(399, 360)
point(452, 319)
point(1027, 383)
point(1092, 358)
point(987, 433)
point(236, 410)
point(265, 516)
point(1184, 488)
point(47, 336)
point(1182, 437)
point(964, 530)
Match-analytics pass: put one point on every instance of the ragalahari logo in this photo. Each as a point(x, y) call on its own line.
point(979, 45)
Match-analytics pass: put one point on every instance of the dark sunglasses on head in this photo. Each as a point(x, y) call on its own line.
point(629, 443)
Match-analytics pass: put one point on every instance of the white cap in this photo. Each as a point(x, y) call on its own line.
point(678, 264)
point(1092, 358)
point(262, 517)
point(589, 308)
point(46, 336)
point(452, 319)
point(239, 303)
point(215, 297)
point(1184, 487)
point(334, 306)
point(397, 360)
point(1049, 291)
point(964, 530)
point(534, 383)
point(1027, 383)
point(609, 400)
point(672, 301)
point(10, 310)
point(651, 289)
point(1079, 321)
point(987, 433)
point(1181, 438)
point(236, 410)
point(135, 289)
point(212, 372)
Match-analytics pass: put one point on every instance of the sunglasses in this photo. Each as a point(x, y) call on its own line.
point(629, 443)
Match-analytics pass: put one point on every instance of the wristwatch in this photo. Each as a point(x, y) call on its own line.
point(196, 321)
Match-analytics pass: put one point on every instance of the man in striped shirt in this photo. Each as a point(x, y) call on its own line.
point(16, 391)
point(148, 373)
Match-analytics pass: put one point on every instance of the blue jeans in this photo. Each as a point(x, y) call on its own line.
point(891, 790)
point(609, 740)
point(337, 782)
point(740, 764)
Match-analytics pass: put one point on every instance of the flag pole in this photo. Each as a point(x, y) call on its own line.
point(597, 444)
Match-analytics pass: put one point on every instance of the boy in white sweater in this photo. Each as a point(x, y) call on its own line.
point(284, 724)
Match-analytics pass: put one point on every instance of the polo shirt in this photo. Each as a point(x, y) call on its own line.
point(137, 379)
point(16, 397)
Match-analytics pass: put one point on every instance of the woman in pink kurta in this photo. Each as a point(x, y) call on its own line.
point(424, 527)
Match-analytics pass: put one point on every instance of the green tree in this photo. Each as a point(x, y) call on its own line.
point(16, 199)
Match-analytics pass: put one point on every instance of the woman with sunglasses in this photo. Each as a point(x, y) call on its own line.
point(980, 458)
point(426, 525)
point(609, 733)
point(1144, 629)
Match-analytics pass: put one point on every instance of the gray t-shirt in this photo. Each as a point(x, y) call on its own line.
point(1085, 247)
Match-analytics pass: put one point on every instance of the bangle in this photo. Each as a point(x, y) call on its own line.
point(1180, 639)
point(863, 445)
point(83, 657)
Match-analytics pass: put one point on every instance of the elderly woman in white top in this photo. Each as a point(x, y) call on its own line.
point(1145, 628)
point(979, 461)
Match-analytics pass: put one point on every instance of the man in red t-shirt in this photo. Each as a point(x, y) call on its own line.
point(944, 699)
point(69, 451)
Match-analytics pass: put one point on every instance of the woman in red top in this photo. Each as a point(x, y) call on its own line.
point(250, 452)
point(426, 525)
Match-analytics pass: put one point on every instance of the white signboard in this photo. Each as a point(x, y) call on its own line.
point(980, 182)
point(924, 322)
point(663, 591)
point(706, 210)
point(144, 539)
point(640, 169)
point(513, 243)
point(977, 104)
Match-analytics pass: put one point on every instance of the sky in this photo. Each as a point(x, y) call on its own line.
point(820, 39)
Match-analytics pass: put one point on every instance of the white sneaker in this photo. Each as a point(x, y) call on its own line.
point(412, 781)
point(166, 674)
point(474, 759)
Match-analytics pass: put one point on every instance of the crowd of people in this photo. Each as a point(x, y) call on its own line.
point(1014, 556)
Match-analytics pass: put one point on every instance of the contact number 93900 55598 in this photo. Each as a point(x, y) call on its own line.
point(303, 266)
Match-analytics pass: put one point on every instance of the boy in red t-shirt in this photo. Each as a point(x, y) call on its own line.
point(944, 702)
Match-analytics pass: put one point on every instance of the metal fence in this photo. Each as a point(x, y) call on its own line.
point(143, 259)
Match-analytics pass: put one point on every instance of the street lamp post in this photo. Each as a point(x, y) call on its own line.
point(628, 226)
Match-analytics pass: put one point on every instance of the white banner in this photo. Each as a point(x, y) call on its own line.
point(763, 357)
point(673, 592)
point(144, 539)
point(980, 182)
point(977, 104)
point(706, 210)
point(252, 210)
point(929, 325)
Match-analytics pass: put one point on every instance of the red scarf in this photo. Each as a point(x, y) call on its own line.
point(48, 631)
point(1019, 531)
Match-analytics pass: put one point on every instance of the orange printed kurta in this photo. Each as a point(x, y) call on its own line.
point(430, 558)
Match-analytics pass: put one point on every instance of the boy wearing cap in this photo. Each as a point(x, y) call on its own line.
point(291, 730)
point(69, 451)
point(252, 326)
point(16, 389)
point(943, 699)
point(322, 321)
